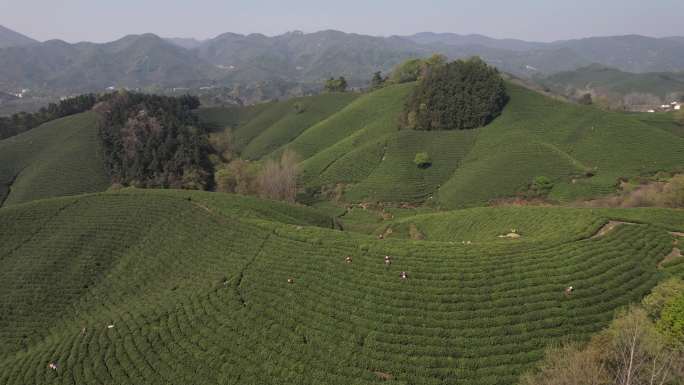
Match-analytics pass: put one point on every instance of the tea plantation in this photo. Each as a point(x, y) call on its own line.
point(172, 287)
point(58, 158)
point(583, 150)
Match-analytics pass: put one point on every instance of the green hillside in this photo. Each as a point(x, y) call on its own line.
point(58, 158)
point(174, 288)
point(263, 128)
point(538, 136)
point(533, 224)
point(582, 149)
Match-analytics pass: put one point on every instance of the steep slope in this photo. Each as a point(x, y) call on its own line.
point(56, 159)
point(9, 38)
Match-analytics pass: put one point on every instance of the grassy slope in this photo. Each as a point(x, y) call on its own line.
point(261, 129)
point(361, 146)
point(56, 159)
point(292, 124)
point(485, 224)
point(199, 294)
point(538, 136)
point(664, 121)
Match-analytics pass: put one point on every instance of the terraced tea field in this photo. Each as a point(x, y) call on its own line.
point(56, 159)
point(585, 151)
point(186, 288)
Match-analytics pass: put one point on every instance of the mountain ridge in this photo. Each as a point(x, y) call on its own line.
point(10, 38)
point(304, 59)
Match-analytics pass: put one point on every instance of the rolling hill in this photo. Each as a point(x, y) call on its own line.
point(161, 286)
point(584, 150)
point(174, 287)
point(58, 158)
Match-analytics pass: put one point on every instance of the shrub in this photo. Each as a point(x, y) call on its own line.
point(409, 71)
point(585, 99)
point(415, 69)
point(278, 179)
point(661, 294)
point(459, 95)
point(336, 85)
point(422, 160)
point(671, 322)
point(541, 186)
point(679, 117)
point(222, 144)
point(674, 192)
point(237, 177)
point(377, 81)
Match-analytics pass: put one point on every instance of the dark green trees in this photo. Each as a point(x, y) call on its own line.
point(20, 122)
point(586, 100)
point(154, 141)
point(377, 81)
point(415, 69)
point(336, 85)
point(458, 95)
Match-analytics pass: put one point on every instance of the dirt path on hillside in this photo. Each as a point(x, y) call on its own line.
point(608, 227)
point(675, 254)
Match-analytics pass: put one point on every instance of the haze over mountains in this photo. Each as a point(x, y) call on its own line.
point(140, 61)
point(9, 38)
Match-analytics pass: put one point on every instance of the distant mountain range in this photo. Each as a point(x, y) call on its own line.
point(296, 58)
point(605, 80)
point(9, 38)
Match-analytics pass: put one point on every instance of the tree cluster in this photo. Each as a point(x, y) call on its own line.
point(154, 141)
point(378, 81)
point(416, 69)
point(336, 85)
point(463, 94)
point(21, 122)
point(275, 179)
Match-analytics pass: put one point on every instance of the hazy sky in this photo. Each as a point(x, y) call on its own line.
point(542, 20)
